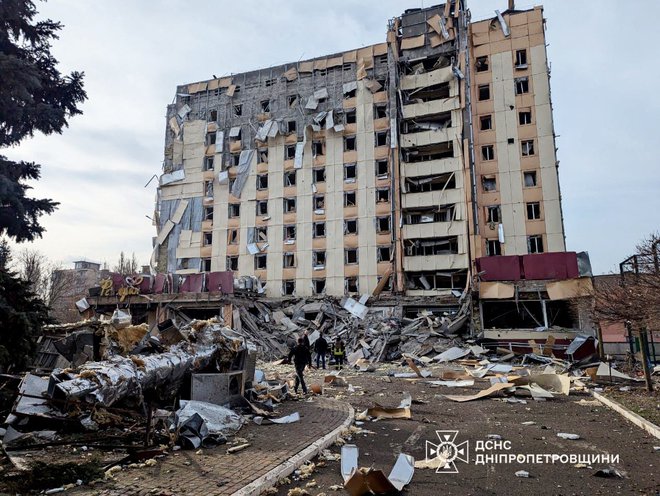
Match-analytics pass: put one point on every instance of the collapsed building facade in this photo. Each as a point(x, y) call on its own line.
point(421, 171)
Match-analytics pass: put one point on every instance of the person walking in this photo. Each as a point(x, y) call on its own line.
point(338, 351)
point(301, 359)
point(321, 348)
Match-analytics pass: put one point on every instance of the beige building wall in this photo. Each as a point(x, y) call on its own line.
point(508, 166)
point(334, 214)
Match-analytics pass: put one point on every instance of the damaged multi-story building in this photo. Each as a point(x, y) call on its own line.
point(421, 166)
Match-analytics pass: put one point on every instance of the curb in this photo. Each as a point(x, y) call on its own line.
point(649, 427)
point(287, 467)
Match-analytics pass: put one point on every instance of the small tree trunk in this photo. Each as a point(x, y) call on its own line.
point(643, 345)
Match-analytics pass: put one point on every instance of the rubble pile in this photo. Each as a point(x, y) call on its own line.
point(120, 389)
point(371, 333)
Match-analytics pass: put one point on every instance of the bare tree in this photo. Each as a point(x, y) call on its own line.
point(634, 296)
point(126, 266)
point(46, 279)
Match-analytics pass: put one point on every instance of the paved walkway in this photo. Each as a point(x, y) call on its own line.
point(215, 473)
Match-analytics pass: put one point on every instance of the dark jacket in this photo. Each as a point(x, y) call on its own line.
point(321, 346)
point(301, 356)
point(306, 340)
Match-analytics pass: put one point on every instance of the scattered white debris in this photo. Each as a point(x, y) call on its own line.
point(566, 435)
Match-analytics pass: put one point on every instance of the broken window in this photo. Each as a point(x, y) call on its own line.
point(381, 138)
point(431, 246)
point(350, 198)
point(493, 247)
point(292, 101)
point(290, 233)
point(382, 195)
point(234, 159)
point(353, 91)
point(208, 238)
point(265, 106)
point(351, 285)
point(435, 122)
point(443, 213)
point(318, 175)
point(289, 152)
point(380, 110)
point(482, 64)
point(430, 183)
point(232, 263)
point(534, 211)
point(388, 284)
point(262, 207)
point(291, 127)
point(525, 117)
point(318, 286)
point(208, 163)
point(489, 183)
point(350, 226)
point(210, 139)
point(213, 115)
point(535, 244)
point(289, 260)
point(208, 189)
point(488, 152)
point(484, 92)
point(382, 168)
point(262, 233)
point(318, 148)
point(262, 182)
point(262, 156)
point(260, 261)
point(208, 213)
point(319, 203)
point(350, 256)
point(521, 59)
point(383, 224)
point(350, 172)
point(436, 280)
point(238, 110)
point(289, 178)
point(438, 91)
point(206, 265)
point(426, 153)
point(383, 253)
point(289, 205)
point(289, 287)
point(350, 116)
point(522, 85)
point(232, 180)
point(493, 214)
point(318, 259)
point(318, 230)
point(527, 148)
point(234, 210)
point(350, 143)
point(486, 122)
point(530, 179)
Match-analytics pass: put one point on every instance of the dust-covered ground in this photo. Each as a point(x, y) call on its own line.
point(602, 432)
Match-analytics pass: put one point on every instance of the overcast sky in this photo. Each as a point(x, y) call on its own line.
point(604, 91)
